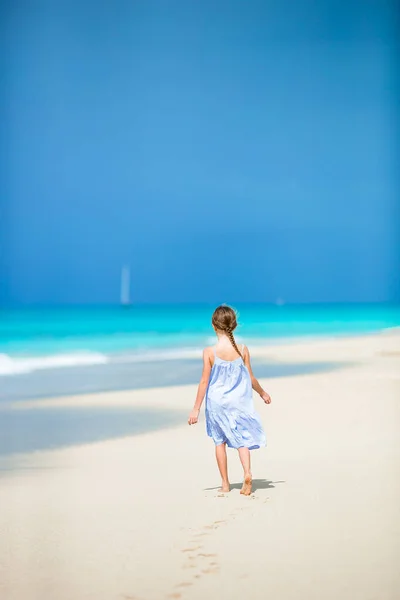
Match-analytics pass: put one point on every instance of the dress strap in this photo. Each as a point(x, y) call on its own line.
point(242, 349)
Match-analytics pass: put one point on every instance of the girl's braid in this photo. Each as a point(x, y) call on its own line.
point(233, 341)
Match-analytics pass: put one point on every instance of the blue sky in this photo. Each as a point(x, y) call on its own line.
point(225, 150)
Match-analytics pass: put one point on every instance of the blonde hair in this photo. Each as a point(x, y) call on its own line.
point(225, 319)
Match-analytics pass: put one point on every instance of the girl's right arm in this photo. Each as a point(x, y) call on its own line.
point(254, 382)
point(201, 391)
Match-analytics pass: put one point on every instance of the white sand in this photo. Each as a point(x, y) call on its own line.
point(132, 518)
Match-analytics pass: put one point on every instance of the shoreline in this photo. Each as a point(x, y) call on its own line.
point(111, 378)
point(129, 371)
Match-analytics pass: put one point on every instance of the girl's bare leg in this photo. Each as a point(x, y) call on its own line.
point(220, 453)
point(244, 455)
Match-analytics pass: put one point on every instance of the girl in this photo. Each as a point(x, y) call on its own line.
point(227, 382)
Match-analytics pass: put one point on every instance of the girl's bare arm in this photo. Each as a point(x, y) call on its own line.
point(201, 390)
point(254, 382)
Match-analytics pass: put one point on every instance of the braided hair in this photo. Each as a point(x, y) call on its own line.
point(224, 319)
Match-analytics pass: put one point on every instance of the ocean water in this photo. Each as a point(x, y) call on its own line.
point(36, 339)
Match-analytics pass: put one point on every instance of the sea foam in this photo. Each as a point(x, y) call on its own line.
point(19, 365)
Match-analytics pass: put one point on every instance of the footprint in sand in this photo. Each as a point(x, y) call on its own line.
point(215, 525)
point(192, 549)
point(184, 584)
point(218, 524)
point(196, 560)
point(210, 571)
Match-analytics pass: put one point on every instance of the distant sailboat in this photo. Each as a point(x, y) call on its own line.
point(126, 286)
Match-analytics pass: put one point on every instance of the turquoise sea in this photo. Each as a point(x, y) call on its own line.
point(37, 338)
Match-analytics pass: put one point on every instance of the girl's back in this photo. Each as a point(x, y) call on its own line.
point(225, 351)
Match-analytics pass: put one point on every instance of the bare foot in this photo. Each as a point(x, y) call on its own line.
point(246, 489)
point(225, 488)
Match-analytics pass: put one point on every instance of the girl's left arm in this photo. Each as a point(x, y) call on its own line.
point(201, 390)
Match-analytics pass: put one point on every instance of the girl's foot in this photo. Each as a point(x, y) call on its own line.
point(246, 488)
point(225, 487)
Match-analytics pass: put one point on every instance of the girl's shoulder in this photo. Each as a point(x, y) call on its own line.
point(209, 351)
point(244, 351)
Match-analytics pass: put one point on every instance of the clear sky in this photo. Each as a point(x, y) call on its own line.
point(237, 150)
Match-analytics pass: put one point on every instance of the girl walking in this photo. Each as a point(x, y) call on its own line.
point(227, 382)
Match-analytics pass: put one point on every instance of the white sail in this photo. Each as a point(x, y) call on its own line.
point(125, 285)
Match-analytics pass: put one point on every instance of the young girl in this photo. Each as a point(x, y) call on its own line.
point(227, 382)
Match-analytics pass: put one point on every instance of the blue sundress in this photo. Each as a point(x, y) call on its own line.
point(230, 414)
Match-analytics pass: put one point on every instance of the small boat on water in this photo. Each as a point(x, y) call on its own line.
point(126, 286)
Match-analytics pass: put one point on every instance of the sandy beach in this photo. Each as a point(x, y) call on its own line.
point(139, 517)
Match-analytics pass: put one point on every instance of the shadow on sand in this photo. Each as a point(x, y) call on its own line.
point(29, 430)
point(258, 484)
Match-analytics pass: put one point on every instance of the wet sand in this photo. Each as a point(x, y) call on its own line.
point(120, 376)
